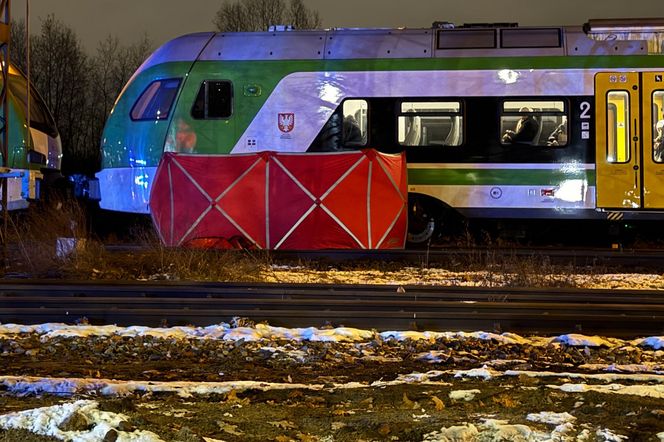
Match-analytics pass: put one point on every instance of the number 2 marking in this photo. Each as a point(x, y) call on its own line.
point(585, 108)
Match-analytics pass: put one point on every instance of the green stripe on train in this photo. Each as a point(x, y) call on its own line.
point(280, 68)
point(503, 177)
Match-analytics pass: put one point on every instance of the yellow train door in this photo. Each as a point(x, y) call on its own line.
point(629, 167)
point(653, 139)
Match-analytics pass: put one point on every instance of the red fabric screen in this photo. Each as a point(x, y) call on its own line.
point(283, 201)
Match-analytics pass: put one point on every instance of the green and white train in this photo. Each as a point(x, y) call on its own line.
point(445, 95)
point(34, 150)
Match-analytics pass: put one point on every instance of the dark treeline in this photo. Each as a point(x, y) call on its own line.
point(258, 15)
point(78, 88)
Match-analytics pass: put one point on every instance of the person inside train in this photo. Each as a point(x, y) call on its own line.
point(525, 131)
point(658, 142)
point(559, 135)
point(352, 134)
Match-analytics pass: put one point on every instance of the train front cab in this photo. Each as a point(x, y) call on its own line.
point(629, 157)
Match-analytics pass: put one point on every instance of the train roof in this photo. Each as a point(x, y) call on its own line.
point(596, 37)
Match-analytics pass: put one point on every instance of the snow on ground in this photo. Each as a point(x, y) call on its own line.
point(46, 421)
point(652, 385)
point(496, 430)
point(340, 334)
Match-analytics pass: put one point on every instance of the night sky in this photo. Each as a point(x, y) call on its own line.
point(93, 20)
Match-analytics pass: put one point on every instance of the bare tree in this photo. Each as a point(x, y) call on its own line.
point(59, 72)
point(303, 18)
point(79, 90)
point(258, 15)
point(18, 45)
point(108, 71)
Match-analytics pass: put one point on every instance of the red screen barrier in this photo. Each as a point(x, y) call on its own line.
point(285, 201)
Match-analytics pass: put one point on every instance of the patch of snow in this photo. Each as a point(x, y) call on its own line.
point(464, 395)
point(466, 432)
point(433, 356)
point(563, 429)
point(420, 377)
point(263, 331)
point(576, 340)
point(30, 385)
point(489, 430)
point(506, 338)
point(653, 391)
point(625, 368)
point(656, 342)
point(414, 335)
point(549, 417)
point(604, 377)
point(46, 421)
point(340, 334)
point(484, 372)
point(609, 436)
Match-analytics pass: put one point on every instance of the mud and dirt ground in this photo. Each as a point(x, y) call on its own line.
point(331, 391)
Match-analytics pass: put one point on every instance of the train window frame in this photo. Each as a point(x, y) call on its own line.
point(657, 115)
point(412, 132)
point(352, 124)
point(556, 135)
point(144, 107)
point(204, 93)
point(611, 154)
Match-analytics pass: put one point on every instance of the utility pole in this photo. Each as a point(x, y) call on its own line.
point(4, 119)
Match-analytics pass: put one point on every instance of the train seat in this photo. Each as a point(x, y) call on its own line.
point(414, 134)
point(454, 135)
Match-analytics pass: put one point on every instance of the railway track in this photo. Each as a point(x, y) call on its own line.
point(577, 257)
point(621, 313)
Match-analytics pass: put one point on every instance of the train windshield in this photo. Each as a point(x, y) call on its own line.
point(40, 117)
point(156, 100)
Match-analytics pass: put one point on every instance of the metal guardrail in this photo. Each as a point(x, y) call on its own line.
point(623, 313)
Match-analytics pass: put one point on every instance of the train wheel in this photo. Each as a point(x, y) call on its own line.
point(423, 222)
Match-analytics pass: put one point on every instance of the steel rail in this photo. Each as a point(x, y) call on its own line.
point(623, 313)
point(618, 257)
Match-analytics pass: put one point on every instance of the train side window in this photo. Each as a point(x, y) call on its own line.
point(534, 122)
point(214, 100)
point(430, 123)
point(658, 126)
point(618, 136)
point(156, 100)
point(354, 127)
